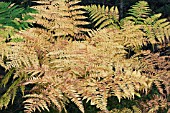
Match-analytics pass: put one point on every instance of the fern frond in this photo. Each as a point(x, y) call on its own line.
point(103, 16)
point(54, 91)
point(76, 64)
point(126, 89)
point(10, 94)
point(16, 57)
point(68, 20)
point(60, 71)
point(35, 102)
point(157, 67)
point(93, 91)
point(157, 29)
point(128, 37)
point(156, 104)
point(13, 15)
point(139, 12)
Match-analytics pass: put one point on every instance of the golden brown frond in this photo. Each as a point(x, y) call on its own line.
point(62, 18)
point(127, 37)
point(156, 103)
point(157, 67)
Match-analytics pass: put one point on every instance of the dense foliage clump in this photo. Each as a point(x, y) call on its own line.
point(78, 57)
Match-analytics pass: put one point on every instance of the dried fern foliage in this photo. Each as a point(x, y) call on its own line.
point(52, 73)
point(62, 18)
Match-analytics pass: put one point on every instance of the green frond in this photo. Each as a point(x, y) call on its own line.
point(103, 16)
point(10, 94)
point(157, 29)
point(13, 15)
point(5, 80)
point(139, 12)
